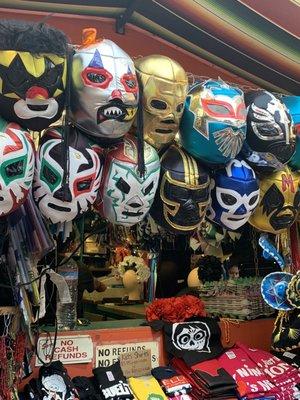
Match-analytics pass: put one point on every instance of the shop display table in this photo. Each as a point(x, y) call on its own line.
point(122, 311)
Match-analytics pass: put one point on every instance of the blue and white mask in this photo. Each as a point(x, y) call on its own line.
point(234, 195)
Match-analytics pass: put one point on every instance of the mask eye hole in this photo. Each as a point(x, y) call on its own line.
point(179, 108)
point(49, 175)
point(228, 199)
point(96, 77)
point(148, 188)
point(158, 104)
point(84, 185)
point(14, 169)
point(253, 200)
point(123, 186)
point(130, 83)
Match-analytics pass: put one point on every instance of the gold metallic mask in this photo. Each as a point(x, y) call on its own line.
point(164, 85)
point(279, 201)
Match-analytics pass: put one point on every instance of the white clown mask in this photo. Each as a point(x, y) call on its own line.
point(16, 168)
point(105, 89)
point(124, 196)
point(61, 203)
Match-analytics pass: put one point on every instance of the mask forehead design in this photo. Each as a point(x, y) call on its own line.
point(62, 203)
point(213, 126)
point(279, 203)
point(164, 84)
point(235, 194)
point(17, 166)
point(125, 197)
point(183, 195)
point(105, 83)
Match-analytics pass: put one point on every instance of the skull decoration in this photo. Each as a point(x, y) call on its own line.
point(269, 125)
point(105, 87)
point(293, 105)
point(16, 166)
point(58, 202)
point(164, 83)
point(235, 194)
point(124, 196)
point(191, 336)
point(279, 201)
point(213, 125)
point(32, 73)
point(181, 201)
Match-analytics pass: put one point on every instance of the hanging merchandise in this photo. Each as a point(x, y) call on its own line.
point(125, 197)
point(17, 166)
point(164, 89)
point(105, 89)
point(234, 195)
point(213, 125)
point(59, 201)
point(286, 333)
point(182, 198)
point(293, 105)
point(33, 73)
point(269, 250)
point(269, 125)
point(274, 290)
point(279, 201)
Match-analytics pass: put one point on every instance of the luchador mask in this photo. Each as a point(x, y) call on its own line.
point(269, 125)
point(279, 201)
point(181, 201)
point(164, 84)
point(105, 87)
point(32, 73)
point(61, 202)
point(234, 195)
point(293, 105)
point(213, 125)
point(16, 166)
point(124, 196)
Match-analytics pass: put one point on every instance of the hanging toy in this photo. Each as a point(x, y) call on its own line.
point(16, 166)
point(61, 202)
point(293, 105)
point(274, 290)
point(105, 89)
point(234, 195)
point(213, 125)
point(269, 126)
point(164, 89)
point(182, 198)
point(32, 73)
point(125, 197)
point(270, 251)
point(279, 201)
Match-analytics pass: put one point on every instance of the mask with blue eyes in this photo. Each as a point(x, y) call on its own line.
point(125, 197)
point(234, 195)
point(213, 125)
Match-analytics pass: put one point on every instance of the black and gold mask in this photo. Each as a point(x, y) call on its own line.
point(183, 195)
point(279, 201)
point(32, 74)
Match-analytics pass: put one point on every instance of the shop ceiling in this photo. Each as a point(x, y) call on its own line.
point(258, 40)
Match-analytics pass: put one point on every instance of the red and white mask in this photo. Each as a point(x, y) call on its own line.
point(63, 203)
point(105, 89)
point(16, 166)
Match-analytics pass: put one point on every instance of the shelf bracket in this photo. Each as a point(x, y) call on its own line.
point(123, 18)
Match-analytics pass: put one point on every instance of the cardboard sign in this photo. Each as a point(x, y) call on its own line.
point(68, 349)
point(136, 363)
point(108, 354)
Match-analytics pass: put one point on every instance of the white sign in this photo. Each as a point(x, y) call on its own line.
point(68, 349)
point(108, 354)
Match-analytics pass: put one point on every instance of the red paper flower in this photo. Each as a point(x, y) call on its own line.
point(175, 309)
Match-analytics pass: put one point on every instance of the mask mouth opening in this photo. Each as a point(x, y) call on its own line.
point(114, 110)
point(132, 213)
point(59, 208)
point(164, 131)
point(283, 219)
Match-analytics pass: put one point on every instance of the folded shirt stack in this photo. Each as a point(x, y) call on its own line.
point(175, 386)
